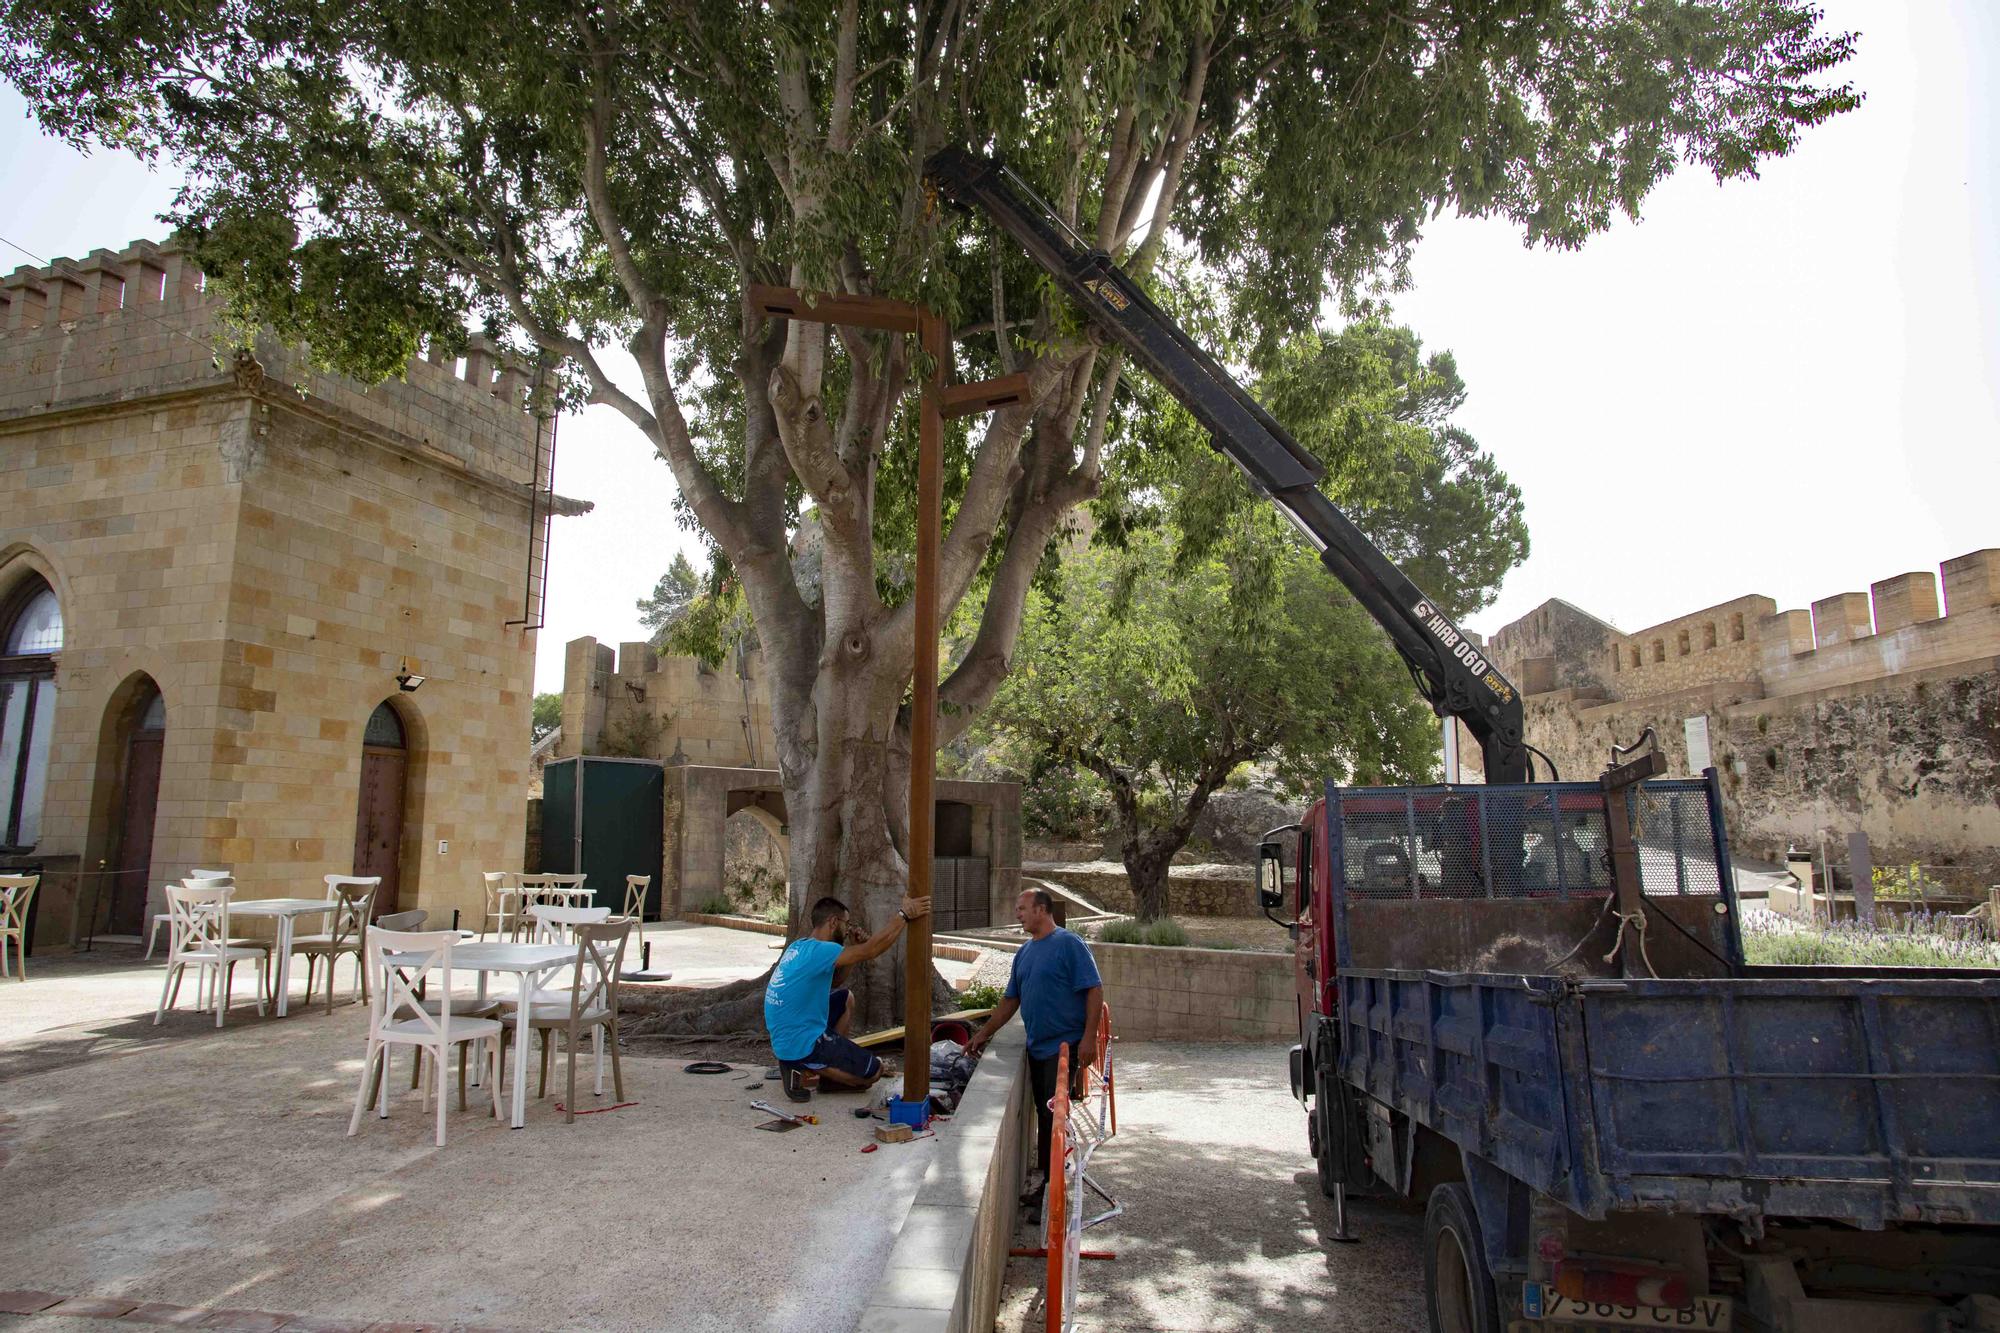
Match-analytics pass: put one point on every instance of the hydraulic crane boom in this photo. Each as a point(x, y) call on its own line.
point(1451, 670)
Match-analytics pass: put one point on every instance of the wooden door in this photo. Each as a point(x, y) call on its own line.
point(135, 833)
point(378, 821)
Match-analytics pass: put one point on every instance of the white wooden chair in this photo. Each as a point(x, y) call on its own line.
point(398, 1017)
point(590, 1004)
point(554, 925)
point(495, 917)
point(16, 893)
point(635, 901)
point(200, 938)
point(162, 918)
point(347, 936)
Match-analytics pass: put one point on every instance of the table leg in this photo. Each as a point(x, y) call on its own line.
point(521, 1049)
point(283, 970)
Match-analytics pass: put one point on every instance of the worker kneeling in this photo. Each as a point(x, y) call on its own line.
point(808, 1016)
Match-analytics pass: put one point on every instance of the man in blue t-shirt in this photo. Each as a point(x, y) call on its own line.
point(1055, 988)
point(808, 1017)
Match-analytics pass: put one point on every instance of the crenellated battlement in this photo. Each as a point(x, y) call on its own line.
point(1748, 644)
point(143, 323)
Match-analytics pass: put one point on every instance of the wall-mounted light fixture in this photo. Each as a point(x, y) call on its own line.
point(407, 678)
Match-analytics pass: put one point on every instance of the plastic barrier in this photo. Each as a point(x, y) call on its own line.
point(1081, 1126)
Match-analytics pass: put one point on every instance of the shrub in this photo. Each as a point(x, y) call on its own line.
point(716, 905)
point(1919, 940)
point(1167, 932)
point(779, 913)
point(979, 995)
point(1122, 931)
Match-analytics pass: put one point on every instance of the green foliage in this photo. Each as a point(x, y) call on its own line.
point(779, 913)
point(1919, 940)
point(634, 734)
point(672, 598)
point(548, 714)
point(716, 905)
point(1908, 882)
point(980, 995)
point(1163, 933)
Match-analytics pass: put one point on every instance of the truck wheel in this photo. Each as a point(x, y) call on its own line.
point(1458, 1287)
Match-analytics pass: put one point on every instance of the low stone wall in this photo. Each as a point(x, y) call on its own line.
point(1165, 994)
point(945, 1272)
point(1191, 890)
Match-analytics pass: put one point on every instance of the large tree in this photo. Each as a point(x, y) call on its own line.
point(368, 175)
point(1197, 635)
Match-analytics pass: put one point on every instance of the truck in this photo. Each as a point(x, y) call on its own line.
point(1524, 1004)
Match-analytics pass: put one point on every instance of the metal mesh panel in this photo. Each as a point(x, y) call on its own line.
point(1670, 824)
point(1545, 841)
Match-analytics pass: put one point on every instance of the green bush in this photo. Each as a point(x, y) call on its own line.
point(979, 995)
point(1165, 933)
point(779, 913)
point(716, 905)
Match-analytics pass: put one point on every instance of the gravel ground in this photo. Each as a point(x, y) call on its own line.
point(1225, 1227)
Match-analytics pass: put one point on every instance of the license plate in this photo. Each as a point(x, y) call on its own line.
point(1711, 1314)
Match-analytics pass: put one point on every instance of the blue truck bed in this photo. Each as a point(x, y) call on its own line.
point(1868, 1099)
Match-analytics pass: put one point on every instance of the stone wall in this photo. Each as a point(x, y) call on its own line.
point(1191, 890)
point(267, 545)
point(673, 708)
point(1165, 994)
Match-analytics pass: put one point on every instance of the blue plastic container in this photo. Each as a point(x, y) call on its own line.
point(916, 1114)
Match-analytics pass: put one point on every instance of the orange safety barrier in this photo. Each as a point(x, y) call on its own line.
point(1074, 1136)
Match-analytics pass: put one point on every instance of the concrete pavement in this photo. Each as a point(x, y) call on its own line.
point(1225, 1226)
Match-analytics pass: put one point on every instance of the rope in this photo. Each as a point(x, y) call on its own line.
point(1636, 920)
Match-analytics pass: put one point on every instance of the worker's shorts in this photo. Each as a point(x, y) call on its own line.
point(833, 1051)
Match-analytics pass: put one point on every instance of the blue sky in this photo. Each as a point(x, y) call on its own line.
point(1788, 386)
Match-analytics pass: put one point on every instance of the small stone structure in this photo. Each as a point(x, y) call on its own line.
point(1876, 711)
point(246, 553)
point(712, 730)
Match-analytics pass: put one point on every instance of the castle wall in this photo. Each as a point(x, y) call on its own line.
point(1877, 712)
point(667, 707)
point(268, 544)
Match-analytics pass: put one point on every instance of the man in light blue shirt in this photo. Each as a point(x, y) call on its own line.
point(808, 1017)
point(1055, 988)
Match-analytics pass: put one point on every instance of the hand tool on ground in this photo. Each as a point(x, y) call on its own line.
point(797, 1119)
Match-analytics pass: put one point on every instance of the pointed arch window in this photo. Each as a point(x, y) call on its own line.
point(31, 636)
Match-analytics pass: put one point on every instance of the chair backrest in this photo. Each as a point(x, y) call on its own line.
point(410, 920)
point(558, 925)
point(565, 881)
point(635, 894)
point(399, 960)
point(200, 917)
point(600, 952)
point(16, 892)
point(355, 896)
point(334, 884)
point(495, 880)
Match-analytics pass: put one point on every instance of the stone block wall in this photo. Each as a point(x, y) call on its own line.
point(719, 717)
point(1191, 890)
point(1162, 994)
point(267, 544)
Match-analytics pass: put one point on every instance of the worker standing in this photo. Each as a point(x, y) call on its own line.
point(1055, 988)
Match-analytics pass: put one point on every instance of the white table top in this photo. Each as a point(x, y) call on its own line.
point(279, 906)
point(500, 956)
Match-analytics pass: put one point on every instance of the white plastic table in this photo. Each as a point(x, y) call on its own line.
point(286, 910)
point(532, 963)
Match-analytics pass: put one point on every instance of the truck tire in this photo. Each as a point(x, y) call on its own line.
point(1458, 1287)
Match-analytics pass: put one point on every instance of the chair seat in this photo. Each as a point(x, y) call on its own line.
point(258, 946)
point(235, 952)
point(557, 1015)
point(509, 1003)
point(468, 1029)
point(321, 943)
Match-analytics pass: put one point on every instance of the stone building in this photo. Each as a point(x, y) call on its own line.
point(711, 729)
point(1876, 712)
point(258, 616)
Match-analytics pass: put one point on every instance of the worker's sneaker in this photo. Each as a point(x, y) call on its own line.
point(799, 1083)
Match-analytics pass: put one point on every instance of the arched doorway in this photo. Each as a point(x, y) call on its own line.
point(378, 817)
point(145, 744)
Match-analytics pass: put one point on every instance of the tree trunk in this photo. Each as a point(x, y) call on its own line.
point(1147, 858)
